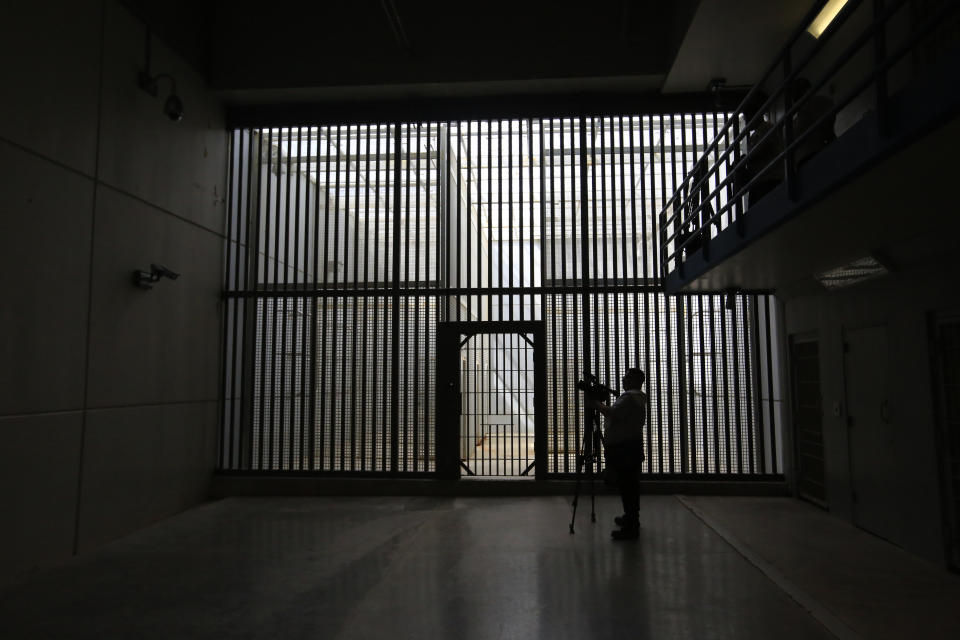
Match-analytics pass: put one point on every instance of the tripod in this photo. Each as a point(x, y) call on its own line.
point(589, 454)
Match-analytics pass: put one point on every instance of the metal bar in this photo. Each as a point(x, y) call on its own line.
point(431, 326)
point(459, 180)
point(595, 299)
point(458, 216)
point(354, 326)
point(646, 301)
point(241, 281)
point(728, 436)
point(585, 295)
point(608, 231)
point(281, 426)
point(574, 286)
point(446, 256)
point(757, 429)
point(300, 306)
point(736, 336)
point(253, 268)
point(489, 221)
point(715, 193)
point(272, 424)
point(287, 326)
point(404, 302)
point(264, 369)
point(222, 436)
point(379, 417)
point(363, 324)
point(416, 320)
point(730, 159)
point(468, 211)
point(344, 325)
point(563, 297)
point(770, 403)
point(395, 308)
point(532, 248)
point(666, 303)
point(624, 267)
point(690, 386)
point(520, 253)
point(703, 387)
point(678, 319)
point(499, 219)
point(748, 323)
point(324, 395)
point(713, 380)
point(509, 222)
point(552, 300)
point(339, 323)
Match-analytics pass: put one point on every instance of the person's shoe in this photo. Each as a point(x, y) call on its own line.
point(621, 521)
point(625, 534)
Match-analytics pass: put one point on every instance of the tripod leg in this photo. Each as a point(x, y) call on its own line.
point(576, 494)
point(593, 493)
point(594, 462)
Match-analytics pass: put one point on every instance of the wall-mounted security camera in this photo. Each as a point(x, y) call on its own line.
point(173, 107)
point(145, 279)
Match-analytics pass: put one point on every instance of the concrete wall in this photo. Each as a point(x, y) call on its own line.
point(108, 393)
point(902, 303)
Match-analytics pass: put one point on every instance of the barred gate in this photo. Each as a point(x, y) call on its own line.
point(348, 244)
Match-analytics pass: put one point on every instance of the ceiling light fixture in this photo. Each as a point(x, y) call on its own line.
point(855, 272)
point(825, 17)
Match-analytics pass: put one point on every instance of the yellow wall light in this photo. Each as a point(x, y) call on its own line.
point(825, 17)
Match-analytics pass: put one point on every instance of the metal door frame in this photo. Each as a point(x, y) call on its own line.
point(792, 342)
point(950, 515)
point(448, 389)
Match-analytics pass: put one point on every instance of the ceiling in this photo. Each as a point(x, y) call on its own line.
point(289, 51)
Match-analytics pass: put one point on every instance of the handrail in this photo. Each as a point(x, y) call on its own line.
point(692, 196)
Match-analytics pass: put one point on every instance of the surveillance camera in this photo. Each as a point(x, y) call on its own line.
point(173, 107)
point(162, 271)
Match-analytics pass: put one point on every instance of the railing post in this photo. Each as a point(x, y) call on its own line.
point(737, 206)
point(789, 165)
point(880, 56)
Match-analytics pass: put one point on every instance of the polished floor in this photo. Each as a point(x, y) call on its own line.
point(484, 568)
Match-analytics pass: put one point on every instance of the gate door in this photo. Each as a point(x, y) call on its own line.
point(496, 411)
point(491, 414)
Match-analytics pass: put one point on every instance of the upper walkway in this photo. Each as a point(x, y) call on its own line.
point(839, 153)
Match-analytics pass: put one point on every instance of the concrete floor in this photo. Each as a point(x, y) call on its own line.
point(429, 567)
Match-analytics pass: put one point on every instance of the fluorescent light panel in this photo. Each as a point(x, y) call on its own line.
point(825, 17)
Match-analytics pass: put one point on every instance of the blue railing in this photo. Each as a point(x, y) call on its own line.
point(785, 118)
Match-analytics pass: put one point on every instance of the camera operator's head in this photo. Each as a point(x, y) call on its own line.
point(634, 379)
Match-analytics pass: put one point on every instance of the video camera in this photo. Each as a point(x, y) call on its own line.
point(593, 390)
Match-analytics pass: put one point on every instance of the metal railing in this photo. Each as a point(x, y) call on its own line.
point(769, 135)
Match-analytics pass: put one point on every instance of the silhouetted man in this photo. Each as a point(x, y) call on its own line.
point(624, 449)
